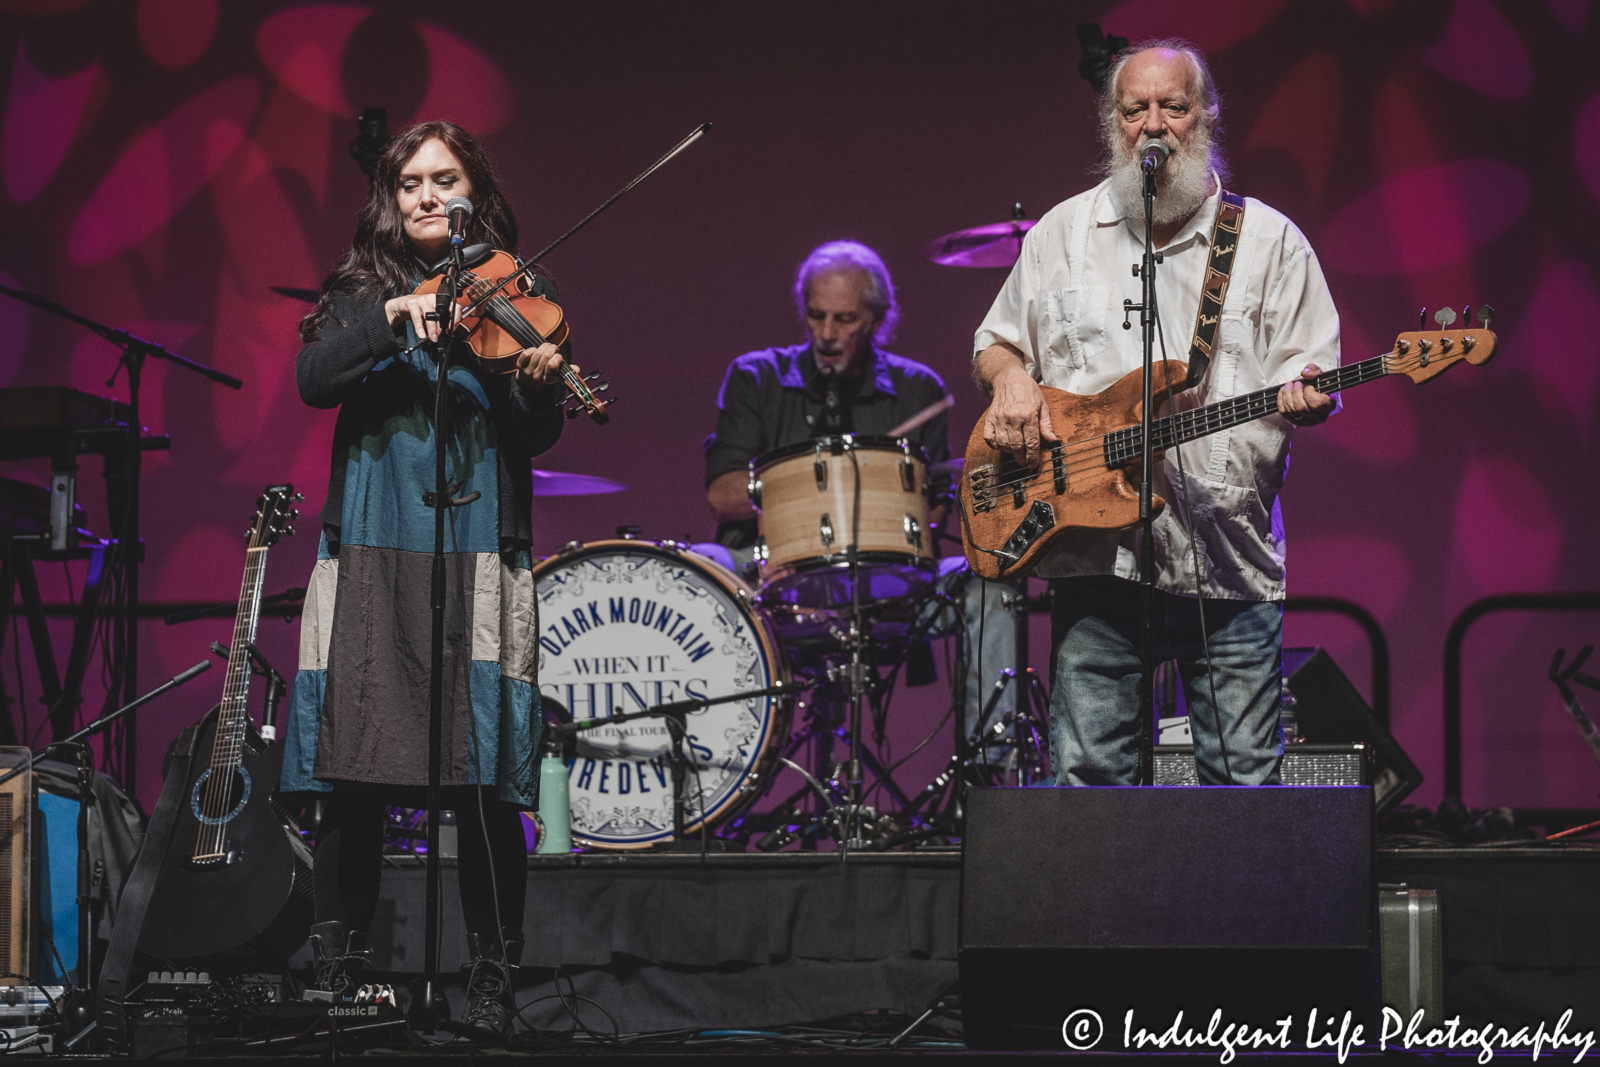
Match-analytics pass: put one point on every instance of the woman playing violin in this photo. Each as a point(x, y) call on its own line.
point(358, 724)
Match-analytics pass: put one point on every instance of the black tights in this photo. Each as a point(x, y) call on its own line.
point(349, 859)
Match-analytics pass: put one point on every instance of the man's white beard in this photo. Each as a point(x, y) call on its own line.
point(1182, 183)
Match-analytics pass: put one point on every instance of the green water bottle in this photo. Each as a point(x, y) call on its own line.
point(555, 807)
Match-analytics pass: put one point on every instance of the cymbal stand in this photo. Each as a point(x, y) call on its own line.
point(850, 817)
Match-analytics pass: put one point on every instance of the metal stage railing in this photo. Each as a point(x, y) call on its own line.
point(1452, 661)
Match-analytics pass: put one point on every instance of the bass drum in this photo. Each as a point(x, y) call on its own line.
point(627, 625)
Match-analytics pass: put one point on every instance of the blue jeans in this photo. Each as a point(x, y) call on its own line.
point(1095, 633)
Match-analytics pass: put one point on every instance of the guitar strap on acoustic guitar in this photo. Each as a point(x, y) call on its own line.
point(1219, 268)
point(115, 974)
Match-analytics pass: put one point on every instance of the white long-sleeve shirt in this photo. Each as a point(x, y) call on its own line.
point(1062, 309)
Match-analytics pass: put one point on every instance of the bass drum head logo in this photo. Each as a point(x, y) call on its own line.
point(622, 629)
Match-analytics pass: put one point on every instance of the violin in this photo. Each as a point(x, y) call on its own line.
point(512, 319)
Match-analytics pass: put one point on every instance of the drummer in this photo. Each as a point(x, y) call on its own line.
point(841, 380)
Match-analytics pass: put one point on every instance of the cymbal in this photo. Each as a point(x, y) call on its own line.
point(309, 296)
point(995, 245)
point(561, 483)
point(949, 466)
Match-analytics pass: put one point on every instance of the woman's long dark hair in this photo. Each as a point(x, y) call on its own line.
point(380, 260)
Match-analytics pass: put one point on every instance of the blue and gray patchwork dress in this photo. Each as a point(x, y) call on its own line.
point(359, 709)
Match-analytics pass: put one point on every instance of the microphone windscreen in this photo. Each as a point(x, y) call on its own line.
point(458, 203)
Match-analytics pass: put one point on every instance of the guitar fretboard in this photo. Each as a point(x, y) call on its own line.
point(1124, 446)
point(233, 716)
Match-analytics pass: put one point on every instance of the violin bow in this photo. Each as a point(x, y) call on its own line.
point(699, 132)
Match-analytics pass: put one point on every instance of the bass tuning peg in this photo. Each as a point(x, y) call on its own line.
point(1422, 319)
point(1444, 317)
point(1486, 315)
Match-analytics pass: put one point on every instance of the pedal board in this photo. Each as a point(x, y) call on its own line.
point(187, 1010)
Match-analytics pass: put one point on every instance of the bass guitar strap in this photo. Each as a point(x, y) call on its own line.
point(111, 994)
point(1219, 267)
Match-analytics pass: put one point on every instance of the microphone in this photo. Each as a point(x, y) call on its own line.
point(458, 209)
point(1151, 156)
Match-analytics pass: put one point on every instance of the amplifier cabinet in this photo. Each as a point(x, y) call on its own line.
point(16, 868)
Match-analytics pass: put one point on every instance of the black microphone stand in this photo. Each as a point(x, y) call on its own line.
point(1147, 546)
point(77, 1010)
point(675, 715)
point(125, 518)
point(428, 1005)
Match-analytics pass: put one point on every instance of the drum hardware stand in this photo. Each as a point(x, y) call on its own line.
point(78, 1002)
point(129, 548)
point(675, 715)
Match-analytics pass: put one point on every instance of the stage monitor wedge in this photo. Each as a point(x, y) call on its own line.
point(1329, 710)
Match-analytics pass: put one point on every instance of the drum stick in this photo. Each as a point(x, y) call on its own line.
point(923, 416)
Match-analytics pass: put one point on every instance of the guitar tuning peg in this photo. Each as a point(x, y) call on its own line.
point(294, 513)
point(289, 530)
point(298, 497)
point(249, 533)
point(1444, 317)
point(1422, 319)
point(1486, 315)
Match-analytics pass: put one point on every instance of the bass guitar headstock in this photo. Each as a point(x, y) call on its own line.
point(275, 510)
point(1425, 354)
point(583, 396)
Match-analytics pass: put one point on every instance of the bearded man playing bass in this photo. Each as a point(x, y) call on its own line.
point(1056, 321)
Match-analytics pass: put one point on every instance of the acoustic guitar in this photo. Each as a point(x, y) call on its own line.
point(236, 874)
point(1011, 513)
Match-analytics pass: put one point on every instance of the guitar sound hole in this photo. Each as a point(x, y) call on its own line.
point(216, 804)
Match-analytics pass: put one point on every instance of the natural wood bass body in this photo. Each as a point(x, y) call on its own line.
point(1096, 496)
point(1089, 479)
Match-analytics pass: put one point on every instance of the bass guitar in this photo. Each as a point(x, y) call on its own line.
point(1011, 513)
point(235, 874)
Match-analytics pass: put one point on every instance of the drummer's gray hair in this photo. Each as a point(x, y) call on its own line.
point(847, 257)
point(1205, 92)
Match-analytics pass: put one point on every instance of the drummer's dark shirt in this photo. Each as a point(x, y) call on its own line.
point(774, 397)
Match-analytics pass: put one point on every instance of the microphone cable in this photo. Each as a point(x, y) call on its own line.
point(1199, 583)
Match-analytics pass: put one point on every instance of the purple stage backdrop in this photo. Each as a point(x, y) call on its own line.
point(164, 162)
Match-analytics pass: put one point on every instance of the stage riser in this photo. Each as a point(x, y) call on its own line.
point(1522, 934)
